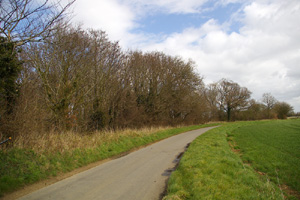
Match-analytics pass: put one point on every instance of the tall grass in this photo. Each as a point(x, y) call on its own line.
point(68, 141)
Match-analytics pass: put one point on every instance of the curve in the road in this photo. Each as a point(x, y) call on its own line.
point(136, 176)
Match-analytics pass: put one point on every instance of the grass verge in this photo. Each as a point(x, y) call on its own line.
point(213, 169)
point(35, 158)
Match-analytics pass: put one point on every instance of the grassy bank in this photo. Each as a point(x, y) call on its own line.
point(37, 157)
point(223, 163)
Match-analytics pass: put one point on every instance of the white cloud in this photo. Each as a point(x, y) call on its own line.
point(108, 15)
point(295, 101)
point(264, 56)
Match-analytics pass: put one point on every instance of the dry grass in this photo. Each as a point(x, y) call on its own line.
point(61, 142)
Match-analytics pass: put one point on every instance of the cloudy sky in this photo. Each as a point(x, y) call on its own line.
point(255, 43)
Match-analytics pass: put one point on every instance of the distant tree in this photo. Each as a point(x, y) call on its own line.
point(254, 111)
point(283, 110)
point(25, 21)
point(269, 101)
point(211, 94)
point(231, 96)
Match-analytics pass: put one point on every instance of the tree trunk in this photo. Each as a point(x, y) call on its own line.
point(228, 113)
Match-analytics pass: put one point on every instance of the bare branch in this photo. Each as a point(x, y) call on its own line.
point(25, 21)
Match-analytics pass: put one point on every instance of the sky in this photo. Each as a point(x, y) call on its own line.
point(255, 43)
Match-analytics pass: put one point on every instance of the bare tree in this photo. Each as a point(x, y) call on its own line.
point(231, 96)
point(82, 78)
point(269, 101)
point(23, 21)
point(61, 63)
point(167, 89)
point(211, 94)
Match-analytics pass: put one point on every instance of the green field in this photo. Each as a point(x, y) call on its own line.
point(242, 160)
point(273, 149)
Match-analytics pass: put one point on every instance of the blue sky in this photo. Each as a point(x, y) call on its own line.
point(168, 23)
point(162, 22)
point(252, 42)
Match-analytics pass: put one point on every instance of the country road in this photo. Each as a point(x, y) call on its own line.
point(139, 175)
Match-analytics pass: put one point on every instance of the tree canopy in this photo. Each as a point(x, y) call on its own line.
point(229, 96)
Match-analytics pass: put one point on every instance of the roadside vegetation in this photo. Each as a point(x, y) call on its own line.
point(36, 158)
point(241, 160)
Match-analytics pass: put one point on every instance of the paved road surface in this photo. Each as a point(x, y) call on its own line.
point(136, 176)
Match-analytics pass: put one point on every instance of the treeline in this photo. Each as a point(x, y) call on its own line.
point(57, 77)
point(229, 101)
point(80, 80)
